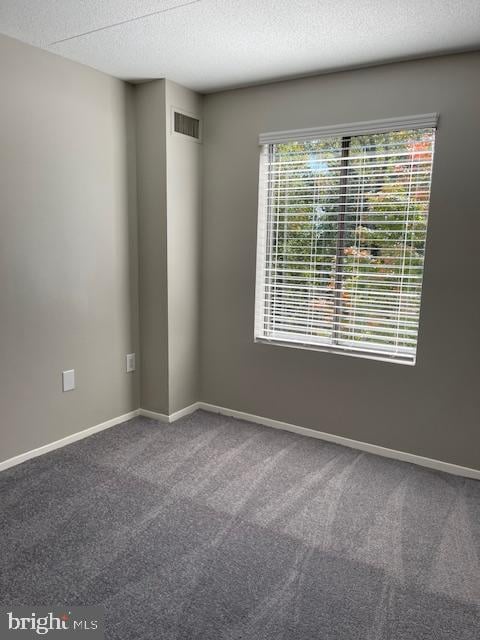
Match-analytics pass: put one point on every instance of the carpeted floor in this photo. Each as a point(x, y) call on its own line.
point(216, 529)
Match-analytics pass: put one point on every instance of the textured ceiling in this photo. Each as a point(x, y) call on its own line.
point(213, 44)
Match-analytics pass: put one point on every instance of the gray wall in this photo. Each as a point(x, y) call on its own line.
point(184, 174)
point(69, 164)
point(431, 409)
point(67, 247)
point(152, 239)
point(169, 203)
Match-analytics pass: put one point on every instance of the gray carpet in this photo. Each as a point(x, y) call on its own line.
point(213, 528)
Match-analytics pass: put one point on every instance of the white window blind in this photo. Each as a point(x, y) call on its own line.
point(341, 237)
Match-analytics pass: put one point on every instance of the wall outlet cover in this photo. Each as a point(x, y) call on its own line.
point(68, 380)
point(130, 362)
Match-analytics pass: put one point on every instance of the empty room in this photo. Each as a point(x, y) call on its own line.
point(240, 319)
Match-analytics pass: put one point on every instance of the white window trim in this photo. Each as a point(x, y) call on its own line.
point(428, 120)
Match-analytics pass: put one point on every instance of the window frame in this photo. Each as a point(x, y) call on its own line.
point(264, 236)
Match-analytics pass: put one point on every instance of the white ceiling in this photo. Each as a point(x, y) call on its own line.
point(213, 44)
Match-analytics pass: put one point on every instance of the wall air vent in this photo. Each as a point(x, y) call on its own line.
point(186, 125)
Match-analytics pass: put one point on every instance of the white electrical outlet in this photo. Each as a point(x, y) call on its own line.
point(68, 380)
point(130, 362)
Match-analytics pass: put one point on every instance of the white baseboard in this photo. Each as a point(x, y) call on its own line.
point(163, 417)
point(39, 451)
point(447, 467)
point(184, 412)
point(51, 446)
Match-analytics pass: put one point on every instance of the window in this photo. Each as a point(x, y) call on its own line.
point(341, 237)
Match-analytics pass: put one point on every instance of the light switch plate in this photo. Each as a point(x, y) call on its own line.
point(68, 379)
point(130, 362)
